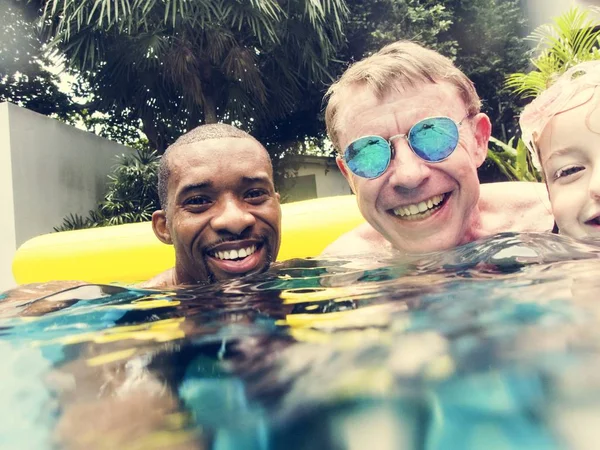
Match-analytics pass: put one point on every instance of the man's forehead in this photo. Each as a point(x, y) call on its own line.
point(441, 98)
point(220, 157)
point(362, 95)
point(440, 87)
point(207, 151)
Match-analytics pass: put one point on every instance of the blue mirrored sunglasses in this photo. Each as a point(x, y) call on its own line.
point(432, 139)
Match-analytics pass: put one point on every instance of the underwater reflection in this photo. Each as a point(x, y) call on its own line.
point(491, 345)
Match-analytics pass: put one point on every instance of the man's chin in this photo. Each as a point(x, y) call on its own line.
point(223, 276)
point(419, 243)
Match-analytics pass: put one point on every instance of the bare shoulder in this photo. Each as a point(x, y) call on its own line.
point(362, 239)
point(162, 280)
point(515, 206)
point(516, 191)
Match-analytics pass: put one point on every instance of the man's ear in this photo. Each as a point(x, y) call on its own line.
point(483, 131)
point(342, 166)
point(159, 226)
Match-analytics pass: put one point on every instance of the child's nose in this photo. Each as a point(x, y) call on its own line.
point(594, 186)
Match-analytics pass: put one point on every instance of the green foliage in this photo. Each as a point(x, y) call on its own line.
point(174, 64)
point(75, 222)
point(24, 79)
point(513, 161)
point(491, 44)
point(27, 81)
point(570, 39)
point(165, 67)
point(132, 193)
point(467, 31)
point(132, 189)
point(373, 24)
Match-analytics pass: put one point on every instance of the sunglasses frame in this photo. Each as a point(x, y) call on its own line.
point(404, 136)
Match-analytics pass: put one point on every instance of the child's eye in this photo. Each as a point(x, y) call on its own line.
point(560, 173)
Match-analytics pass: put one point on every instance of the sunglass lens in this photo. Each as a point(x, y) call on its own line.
point(368, 157)
point(434, 139)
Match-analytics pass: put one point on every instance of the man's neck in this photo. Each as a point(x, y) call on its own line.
point(474, 228)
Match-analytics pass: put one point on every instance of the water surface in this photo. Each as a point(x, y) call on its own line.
point(492, 345)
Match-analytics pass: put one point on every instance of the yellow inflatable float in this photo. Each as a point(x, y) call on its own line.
point(131, 253)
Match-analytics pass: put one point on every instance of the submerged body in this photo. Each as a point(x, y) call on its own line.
point(494, 341)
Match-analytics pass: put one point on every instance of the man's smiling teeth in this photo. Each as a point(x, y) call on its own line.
point(235, 254)
point(419, 210)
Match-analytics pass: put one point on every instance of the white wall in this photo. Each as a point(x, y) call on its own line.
point(330, 180)
point(54, 169)
point(7, 217)
point(543, 11)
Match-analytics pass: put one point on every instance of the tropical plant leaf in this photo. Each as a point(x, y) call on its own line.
point(173, 64)
point(570, 39)
point(513, 161)
point(501, 163)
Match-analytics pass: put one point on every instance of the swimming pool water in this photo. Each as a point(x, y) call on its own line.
point(493, 345)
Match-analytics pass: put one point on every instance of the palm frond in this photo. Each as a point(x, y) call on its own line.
point(160, 63)
point(514, 162)
point(527, 85)
point(241, 64)
point(570, 39)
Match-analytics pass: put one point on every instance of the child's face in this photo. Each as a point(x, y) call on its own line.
point(570, 157)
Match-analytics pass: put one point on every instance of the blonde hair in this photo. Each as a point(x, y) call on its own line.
point(402, 64)
point(554, 100)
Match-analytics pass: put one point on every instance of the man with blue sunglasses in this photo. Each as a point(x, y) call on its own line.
point(410, 136)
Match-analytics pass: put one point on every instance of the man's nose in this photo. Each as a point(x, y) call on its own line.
point(232, 216)
point(407, 169)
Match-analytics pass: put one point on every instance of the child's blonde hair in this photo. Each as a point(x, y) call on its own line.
point(554, 100)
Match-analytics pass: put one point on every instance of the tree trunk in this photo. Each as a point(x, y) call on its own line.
point(208, 94)
point(210, 108)
point(153, 136)
point(194, 118)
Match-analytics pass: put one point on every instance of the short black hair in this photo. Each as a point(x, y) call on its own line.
point(201, 133)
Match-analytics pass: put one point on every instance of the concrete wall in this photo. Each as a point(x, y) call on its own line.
point(328, 178)
point(47, 170)
point(7, 221)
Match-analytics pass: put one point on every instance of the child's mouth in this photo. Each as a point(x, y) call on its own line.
point(595, 222)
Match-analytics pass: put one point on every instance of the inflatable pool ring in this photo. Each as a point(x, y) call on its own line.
point(132, 253)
